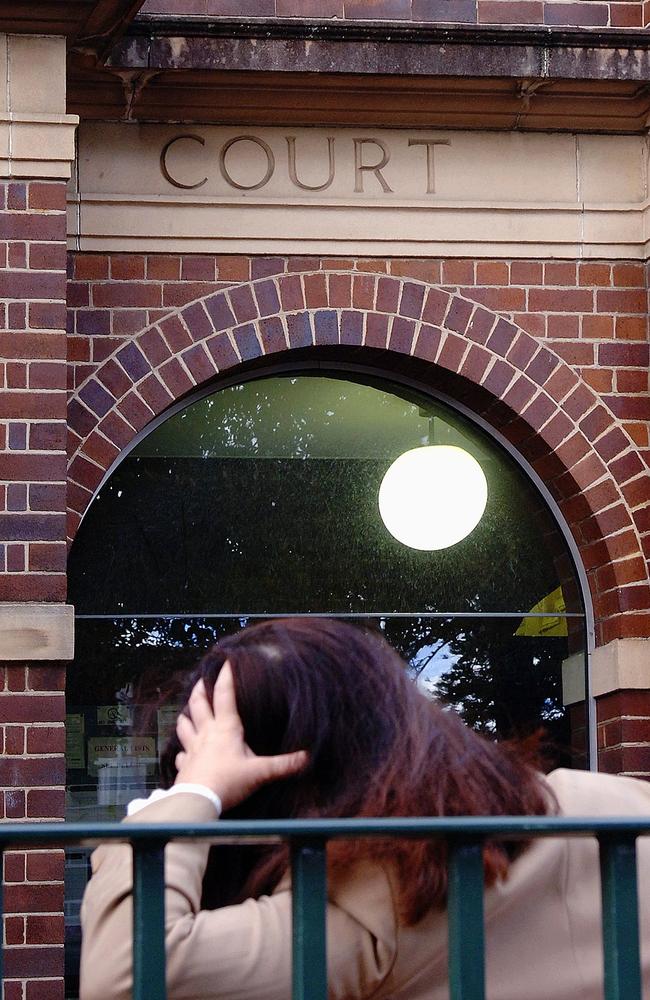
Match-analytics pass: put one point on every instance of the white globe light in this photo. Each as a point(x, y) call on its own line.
point(432, 497)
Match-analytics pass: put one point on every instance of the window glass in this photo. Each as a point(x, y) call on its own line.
point(263, 500)
point(502, 674)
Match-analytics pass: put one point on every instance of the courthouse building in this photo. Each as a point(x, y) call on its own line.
point(354, 322)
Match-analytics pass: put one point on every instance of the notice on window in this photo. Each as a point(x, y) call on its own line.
point(75, 755)
point(120, 751)
point(167, 717)
point(114, 715)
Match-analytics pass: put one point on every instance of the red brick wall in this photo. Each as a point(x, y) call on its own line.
point(624, 733)
point(33, 401)
point(32, 779)
point(32, 564)
point(593, 314)
point(579, 13)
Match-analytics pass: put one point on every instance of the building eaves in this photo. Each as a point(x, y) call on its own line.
point(94, 25)
point(256, 72)
point(256, 44)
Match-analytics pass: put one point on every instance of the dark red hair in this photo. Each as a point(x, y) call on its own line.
point(377, 747)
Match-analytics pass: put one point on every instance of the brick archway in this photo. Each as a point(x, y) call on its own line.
point(524, 389)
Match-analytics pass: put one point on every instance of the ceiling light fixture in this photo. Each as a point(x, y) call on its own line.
point(433, 497)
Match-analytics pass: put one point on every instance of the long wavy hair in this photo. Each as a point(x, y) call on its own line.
point(377, 747)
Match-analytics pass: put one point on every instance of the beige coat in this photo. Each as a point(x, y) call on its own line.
point(542, 923)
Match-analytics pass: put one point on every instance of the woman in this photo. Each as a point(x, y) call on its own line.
point(300, 718)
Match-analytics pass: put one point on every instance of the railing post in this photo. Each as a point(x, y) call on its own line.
point(148, 921)
point(309, 901)
point(620, 917)
point(465, 920)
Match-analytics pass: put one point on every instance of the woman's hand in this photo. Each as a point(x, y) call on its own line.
point(215, 753)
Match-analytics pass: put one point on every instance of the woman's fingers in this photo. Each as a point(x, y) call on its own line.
point(199, 706)
point(281, 766)
point(199, 715)
point(185, 731)
point(224, 702)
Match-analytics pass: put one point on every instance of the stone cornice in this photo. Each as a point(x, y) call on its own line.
point(124, 224)
point(33, 145)
point(310, 73)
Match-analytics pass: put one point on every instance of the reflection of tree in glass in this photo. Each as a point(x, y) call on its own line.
point(501, 684)
point(148, 653)
point(244, 421)
point(287, 417)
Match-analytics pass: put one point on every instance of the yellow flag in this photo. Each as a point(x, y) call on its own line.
point(549, 608)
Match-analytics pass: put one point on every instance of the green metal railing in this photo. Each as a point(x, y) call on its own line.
point(308, 839)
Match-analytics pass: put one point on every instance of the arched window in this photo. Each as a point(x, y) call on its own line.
point(263, 499)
